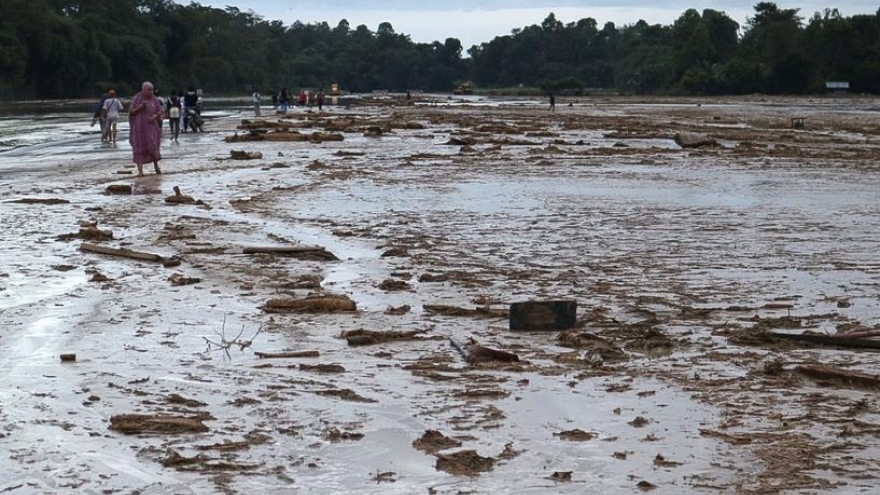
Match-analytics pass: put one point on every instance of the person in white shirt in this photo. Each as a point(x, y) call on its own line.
point(256, 98)
point(112, 107)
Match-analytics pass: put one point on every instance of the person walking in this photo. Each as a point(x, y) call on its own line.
point(552, 103)
point(110, 112)
point(145, 134)
point(98, 116)
point(175, 108)
point(320, 99)
point(284, 101)
point(256, 98)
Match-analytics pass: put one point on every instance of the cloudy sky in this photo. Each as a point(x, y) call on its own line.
point(474, 22)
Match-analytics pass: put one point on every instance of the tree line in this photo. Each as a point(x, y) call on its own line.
point(77, 48)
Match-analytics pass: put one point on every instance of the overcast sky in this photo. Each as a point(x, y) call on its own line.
point(474, 22)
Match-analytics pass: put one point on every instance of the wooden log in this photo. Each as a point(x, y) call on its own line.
point(829, 340)
point(287, 354)
point(302, 252)
point(476, 353)
point(125, 253)
point(860, 334)
point(840, 375)
point(543, 315)
point(330, 303)
point(693, 140)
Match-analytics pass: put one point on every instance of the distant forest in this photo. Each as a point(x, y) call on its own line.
point(79, 48)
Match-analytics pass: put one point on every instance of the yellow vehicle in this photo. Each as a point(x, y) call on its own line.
point(465, 88)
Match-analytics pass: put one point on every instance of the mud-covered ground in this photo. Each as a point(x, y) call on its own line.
point(207, 363)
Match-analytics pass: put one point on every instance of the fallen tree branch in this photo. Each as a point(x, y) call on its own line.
point(287, 354)
point(128, 253)
point(224, 345)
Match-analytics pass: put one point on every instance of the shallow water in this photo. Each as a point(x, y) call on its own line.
point(643, 235)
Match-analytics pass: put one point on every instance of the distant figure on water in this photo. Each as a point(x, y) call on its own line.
point(320, 99)
point(256, 98)
point(552, 103)
point(145, 120)
point(284, 101)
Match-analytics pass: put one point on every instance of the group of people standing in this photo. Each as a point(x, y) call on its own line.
point(284, 100)
point(146, 115)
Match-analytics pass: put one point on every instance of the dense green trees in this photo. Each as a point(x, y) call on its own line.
point(71, 48)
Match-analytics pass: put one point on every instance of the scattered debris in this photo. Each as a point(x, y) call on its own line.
point(326, 303)
point(830, 340)
point(693, 140)
point(369, 337)
point(178, 280)
point(432, 441)
point(118, 189)
point(576, 435)
point(456, 311)
point(131, 424)
point(39, 201)
point(313, 253)
point(840, 376)
point(128, 253)
point(245, 155)
point(464, 463)
point(179, 198)
point(474, 353)
point(287, 354)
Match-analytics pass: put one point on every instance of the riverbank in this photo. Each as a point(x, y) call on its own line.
point(681, 260)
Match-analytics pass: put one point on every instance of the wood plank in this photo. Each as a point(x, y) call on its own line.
point(829, 340)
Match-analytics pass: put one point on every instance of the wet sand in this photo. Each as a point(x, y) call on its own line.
point(682, 261)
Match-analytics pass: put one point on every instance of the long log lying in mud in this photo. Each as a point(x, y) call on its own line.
point(829, 340)
point(287, 354)
point(840, 375)
point(300, 252)
point(129, 253)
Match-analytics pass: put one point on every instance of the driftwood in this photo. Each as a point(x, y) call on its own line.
point(39, 201)
point(128, 253)
point(143, 423)
point(300, 252)
point(311, 304)
point(475, 353)
point(245, 155)
point(370, 337)
point(829, 340)
point(456, 311)
point(693, 140)
point(860, 334)
point(840, 375)
point(287, 354)
point(118, 189)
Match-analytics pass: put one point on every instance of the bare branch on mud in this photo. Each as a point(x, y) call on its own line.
point(224, 344)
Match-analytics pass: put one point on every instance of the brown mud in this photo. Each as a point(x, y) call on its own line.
point(682, 259)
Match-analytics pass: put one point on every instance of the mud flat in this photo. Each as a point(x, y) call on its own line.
point(283, 321)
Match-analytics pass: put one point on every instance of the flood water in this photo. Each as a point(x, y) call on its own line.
point(635, 232)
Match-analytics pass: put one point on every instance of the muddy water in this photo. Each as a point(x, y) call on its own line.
point(636, 230)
